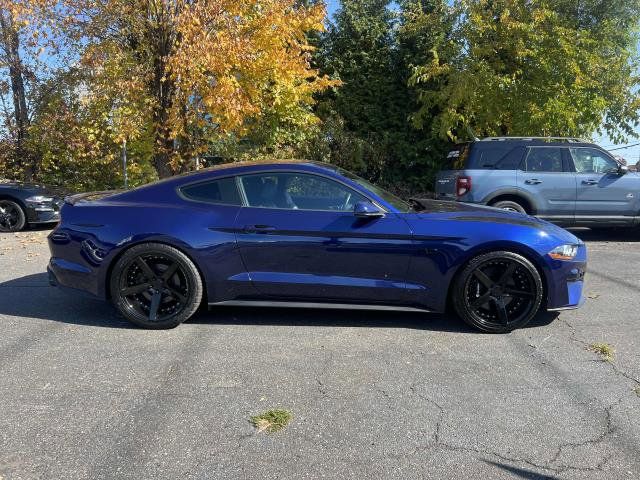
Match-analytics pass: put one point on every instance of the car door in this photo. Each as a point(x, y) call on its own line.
point(299, 239)
point(602, 191)
point(546, 177)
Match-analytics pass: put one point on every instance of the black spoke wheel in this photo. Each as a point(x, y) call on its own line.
point(498, 292)
point(12, 217)
point(156, 286)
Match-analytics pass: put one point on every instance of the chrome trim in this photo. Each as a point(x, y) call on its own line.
point(338, 306)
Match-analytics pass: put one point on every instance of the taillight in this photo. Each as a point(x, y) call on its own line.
point(463, 185)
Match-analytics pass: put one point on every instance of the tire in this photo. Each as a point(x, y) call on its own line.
point(12, 216)
point(156, 286)
point(510, 205)
point(498, 292)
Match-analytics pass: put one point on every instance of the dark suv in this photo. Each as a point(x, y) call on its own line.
point(564, 180)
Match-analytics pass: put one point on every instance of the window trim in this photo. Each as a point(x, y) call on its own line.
point(525, 164)
point(182, 195)
point(245, 201)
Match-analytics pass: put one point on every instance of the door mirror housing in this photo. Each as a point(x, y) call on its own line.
point(622, 169)
point(367, 210)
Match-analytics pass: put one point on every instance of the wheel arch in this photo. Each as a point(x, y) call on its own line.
point(513, 247)
point(523, 198)
point(180, 246)
point(6, 196)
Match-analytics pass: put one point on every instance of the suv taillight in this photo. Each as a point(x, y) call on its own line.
point(463, 185)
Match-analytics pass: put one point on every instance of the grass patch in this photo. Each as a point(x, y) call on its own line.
point(605, 351)
point(272, 421)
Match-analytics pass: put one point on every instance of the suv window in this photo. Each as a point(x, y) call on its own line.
point(544, 159)
point(298, 191)
point(224, 191)
point(489, 155)
point(457, 157)
point(591, 160)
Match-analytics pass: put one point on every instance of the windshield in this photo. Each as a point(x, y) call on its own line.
point(388, 197)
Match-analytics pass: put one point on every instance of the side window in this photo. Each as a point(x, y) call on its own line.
point(298, 191)
point(590, 160)
point(544, 159)
point(224, 191)
point(512, 160)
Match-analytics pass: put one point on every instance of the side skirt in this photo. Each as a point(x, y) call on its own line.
point(338, 306)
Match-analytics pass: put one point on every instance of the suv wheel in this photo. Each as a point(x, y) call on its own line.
point(510, 205)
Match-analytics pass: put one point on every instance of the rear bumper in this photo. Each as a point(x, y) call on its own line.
point(69, 275)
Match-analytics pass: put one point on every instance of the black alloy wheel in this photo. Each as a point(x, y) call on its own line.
point(156, 286)
point(12, 217)
point(498, 292)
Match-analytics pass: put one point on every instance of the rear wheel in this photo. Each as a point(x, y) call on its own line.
point(12, 217)
point(510, 205)
point(156, 286)
point(498, 292)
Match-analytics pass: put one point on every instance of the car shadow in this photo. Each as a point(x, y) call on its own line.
point(31, 296)
point(607, 235)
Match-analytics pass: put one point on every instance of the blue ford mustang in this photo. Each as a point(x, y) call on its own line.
point(308, 234)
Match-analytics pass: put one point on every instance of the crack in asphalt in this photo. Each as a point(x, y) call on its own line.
point(547, 466)
point(607, 431)
point(573, 337)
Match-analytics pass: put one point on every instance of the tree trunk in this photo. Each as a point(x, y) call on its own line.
point(161, 39)
point(11, 49)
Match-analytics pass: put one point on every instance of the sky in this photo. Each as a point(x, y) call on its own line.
point(630, 153)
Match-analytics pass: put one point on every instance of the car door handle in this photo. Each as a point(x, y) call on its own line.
point(589, 182)
point(532, 181)
point(258, 228)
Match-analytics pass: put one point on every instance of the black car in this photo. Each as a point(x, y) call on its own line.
point(24, 204)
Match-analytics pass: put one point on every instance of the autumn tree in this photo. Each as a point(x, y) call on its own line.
point(195, 69)
point(15, 74)
point(541, 67)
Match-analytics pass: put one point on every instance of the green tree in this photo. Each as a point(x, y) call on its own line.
point(533, 67)
point(371, 48)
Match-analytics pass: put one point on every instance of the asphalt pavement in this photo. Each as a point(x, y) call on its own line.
point(380, 395)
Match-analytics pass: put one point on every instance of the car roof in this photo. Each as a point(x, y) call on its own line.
point(239, 168)
point(249, 165)
point(231, 169)
point(535, 141)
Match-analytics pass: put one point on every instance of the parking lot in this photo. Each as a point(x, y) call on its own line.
point(374, 395)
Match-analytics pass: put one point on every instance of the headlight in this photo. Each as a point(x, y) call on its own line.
point(564, 252)
point(39, 199)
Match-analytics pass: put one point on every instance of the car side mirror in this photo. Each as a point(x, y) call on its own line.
point(367, 210)
point(622, 169)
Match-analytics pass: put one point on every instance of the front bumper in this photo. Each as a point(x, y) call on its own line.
point(44, 212)
point(565, 282)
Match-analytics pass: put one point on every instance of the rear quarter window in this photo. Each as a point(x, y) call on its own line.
point(223, 191)
point(496, 155)
point(457, 157)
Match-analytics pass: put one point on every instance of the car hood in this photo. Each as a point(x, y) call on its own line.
point(30, 187)
point(465, 212)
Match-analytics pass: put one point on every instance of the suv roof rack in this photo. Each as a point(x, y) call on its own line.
point(561, 139)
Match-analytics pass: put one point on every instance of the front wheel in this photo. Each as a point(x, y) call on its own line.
point(498, 292)
point(12, 217)
point(156, 286)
